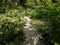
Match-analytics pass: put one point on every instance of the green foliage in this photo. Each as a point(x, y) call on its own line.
point(47, 10)
point(11, 29)
point(2, 6)
point(50, 12)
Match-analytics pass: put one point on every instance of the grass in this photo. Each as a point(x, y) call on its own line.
point(56, 43)
point(35, 22)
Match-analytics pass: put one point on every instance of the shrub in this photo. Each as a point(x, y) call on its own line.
point(11, 29)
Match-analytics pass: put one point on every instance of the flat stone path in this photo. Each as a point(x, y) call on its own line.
point(32, 37)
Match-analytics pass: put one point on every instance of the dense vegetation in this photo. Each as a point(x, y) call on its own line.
point(46, 10)
point(11, 30)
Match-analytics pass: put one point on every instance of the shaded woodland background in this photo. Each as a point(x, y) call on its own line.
point(11, 24)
